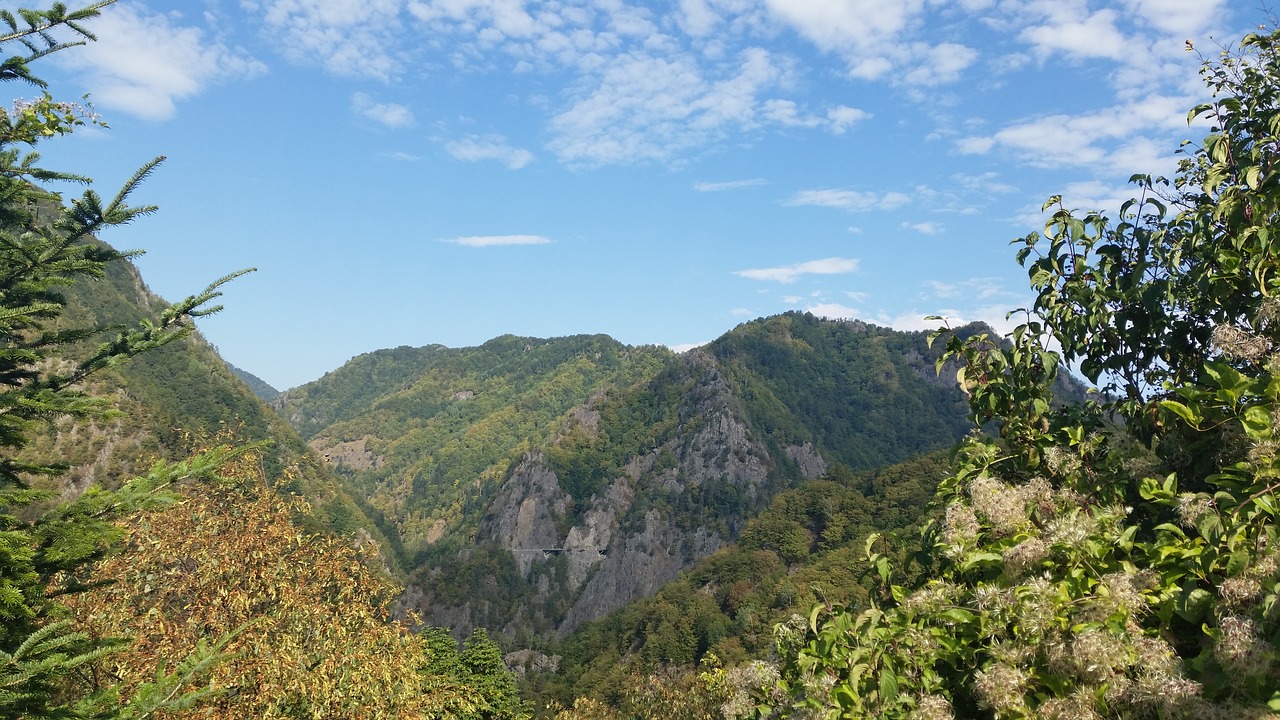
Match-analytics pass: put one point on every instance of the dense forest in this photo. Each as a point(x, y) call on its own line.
point(804, 518)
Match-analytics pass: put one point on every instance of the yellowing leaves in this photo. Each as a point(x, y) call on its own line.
point(311, 634)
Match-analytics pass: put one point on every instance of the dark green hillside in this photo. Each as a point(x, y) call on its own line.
point(172, 398)
point(260, 387)
point(868, 396)
point(533, 485)
point(354, 387)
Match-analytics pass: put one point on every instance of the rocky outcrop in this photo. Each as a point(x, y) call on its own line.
point(638, 566)
point(354, 455)
point(523, 517)
point(806, 457)
point(588, 542)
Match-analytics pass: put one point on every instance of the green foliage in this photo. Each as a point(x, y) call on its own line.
point(304, 618)
point(1118, 559)
point(863, 394)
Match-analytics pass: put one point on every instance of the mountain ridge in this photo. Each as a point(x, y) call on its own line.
point(535, 484)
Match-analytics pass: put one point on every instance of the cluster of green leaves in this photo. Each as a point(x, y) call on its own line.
point(1117, 559)
point(44, 543)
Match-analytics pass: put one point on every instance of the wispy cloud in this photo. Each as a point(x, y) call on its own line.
point(497, 240)
point(833, 311)
point(851, 200)
point(144, 63)
point(401, 156)
point(790, 273)
point(1097, 139)
point(981, 288)
point(843, 117)
point(926, 228)
point(360, 39)
point(392, 115)
point(475, 148)
point(728, 185)
point(654, 106)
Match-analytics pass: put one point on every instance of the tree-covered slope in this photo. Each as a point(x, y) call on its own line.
point(807, 547)
point(864, 394)
point(171, 399)
point(427, 434)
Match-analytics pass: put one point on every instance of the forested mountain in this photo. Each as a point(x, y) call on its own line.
point(531, 485)
point(260, 387)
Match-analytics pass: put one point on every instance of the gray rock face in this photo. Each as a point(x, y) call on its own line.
point(588, 542)
point(638, 566)
point(811, 464)
point(583, 558)
point(523, 517)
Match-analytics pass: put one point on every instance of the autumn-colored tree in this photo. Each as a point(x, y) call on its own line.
point(307, 619)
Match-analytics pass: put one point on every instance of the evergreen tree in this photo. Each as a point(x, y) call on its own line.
point(44, 544)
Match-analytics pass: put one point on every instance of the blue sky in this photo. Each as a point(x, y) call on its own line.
point(408, 172)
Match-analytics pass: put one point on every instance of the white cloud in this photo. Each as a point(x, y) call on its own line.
point(1184, 18)
point(392, 115)
point(848, 25)
point(728, 185)
point(697, 18)
point(1105, 139)
point(498, 240)
point(1096, 36)
point(475, 148)
point(643, 106)
point(985, 183)
point(742, 312)
point(507, 18)
point(791, 273)
point(981, 288)
point(877, 39)
point(926, 228)
point(402, 156)
point(348, 38)
point(843, 117)
point(851, 200)
point(787, 113)
point(941, 64)
point(834, 311)
point(144, 63)
point(975, 145)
